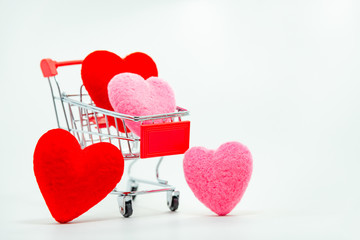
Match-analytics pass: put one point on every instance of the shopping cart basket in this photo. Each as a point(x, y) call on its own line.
point(77, 114)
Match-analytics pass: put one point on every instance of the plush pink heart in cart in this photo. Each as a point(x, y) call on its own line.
point(218, 178)
point(130, 94)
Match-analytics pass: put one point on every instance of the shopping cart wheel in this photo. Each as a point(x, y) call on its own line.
point(125, 205)
point(173, 200)
point(128, 209)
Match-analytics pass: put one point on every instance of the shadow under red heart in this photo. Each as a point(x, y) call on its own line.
point(73, 180)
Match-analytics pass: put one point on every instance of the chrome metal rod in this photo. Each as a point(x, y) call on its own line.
point(53, 99)
point(130, 167)
point(88, 126)
point(62, 104)
point(142, 192)
point(97, 124)
point(66, 99)
point(102, 134)
point(157, 172)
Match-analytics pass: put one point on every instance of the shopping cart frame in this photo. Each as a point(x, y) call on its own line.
point(91, 125)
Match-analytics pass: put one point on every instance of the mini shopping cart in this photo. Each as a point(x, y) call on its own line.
point(77, 114)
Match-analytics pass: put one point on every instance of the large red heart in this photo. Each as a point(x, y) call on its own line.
point(73, 180)
point(99, 67)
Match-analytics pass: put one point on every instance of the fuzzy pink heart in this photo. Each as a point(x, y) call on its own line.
point(218, 178)
point(130, 94)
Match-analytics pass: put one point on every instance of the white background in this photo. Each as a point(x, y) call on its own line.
point(282, 77)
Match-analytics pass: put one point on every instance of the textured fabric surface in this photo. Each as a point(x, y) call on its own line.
point(218, 178)
point(73, 180)
point(130, 94)
point(99, 67)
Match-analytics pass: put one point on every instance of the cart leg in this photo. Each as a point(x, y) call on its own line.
point(133, 187)
point(173, 200)
point(125, 205)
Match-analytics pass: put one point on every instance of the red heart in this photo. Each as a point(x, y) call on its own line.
point(72, 180)
point(99, 67)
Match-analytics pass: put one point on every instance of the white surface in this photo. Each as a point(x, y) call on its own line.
point(282, 77)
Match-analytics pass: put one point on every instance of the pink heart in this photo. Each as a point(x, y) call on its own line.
point(130, 94)
point(218, 178)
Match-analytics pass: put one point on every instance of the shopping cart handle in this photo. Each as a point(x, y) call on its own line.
point(49, 66)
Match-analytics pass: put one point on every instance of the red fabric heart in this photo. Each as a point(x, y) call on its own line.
point(73, 180)
point(99, 67)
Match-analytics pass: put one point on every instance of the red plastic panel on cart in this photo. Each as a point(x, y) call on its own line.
point(164, 139)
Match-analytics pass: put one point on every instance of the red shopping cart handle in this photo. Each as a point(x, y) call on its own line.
point(49, 66)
